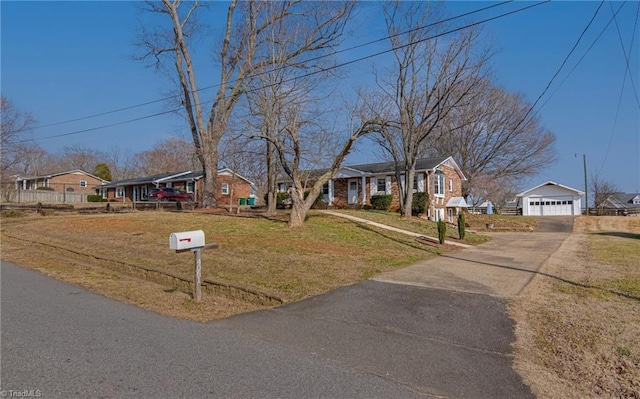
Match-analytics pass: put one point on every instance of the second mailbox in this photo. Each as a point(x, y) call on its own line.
point(186, 240)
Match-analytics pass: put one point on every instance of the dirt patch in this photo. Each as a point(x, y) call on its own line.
point(576, 332)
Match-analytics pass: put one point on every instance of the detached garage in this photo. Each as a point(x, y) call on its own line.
point(551, 199)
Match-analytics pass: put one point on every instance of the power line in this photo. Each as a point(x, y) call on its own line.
point(304, 75)
point(262, 73)
point(626, 58)
point(582, 58)
point(624, 80)
point(561, 66)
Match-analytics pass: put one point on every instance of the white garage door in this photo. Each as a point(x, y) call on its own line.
point(551, 206)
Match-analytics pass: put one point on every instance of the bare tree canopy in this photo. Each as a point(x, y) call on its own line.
point(492, 141)
point(79, 157)
point(14, 125)
point(246, 32)
point(431, 76)
point(174, 154)
point(601, 189)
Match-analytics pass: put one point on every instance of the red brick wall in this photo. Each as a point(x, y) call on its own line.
point(238, 188)
point(64, 182)
point(455, 191)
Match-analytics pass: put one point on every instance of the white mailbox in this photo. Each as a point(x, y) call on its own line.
point(186, 240)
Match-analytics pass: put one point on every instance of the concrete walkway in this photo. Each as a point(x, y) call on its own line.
point(397, 230)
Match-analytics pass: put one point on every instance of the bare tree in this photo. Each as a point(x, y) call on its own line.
point(121, 163)
point(174, 154)
point(246, 31)
point(80, 157)
point(14, 126)
point(601, 190)
point(292, 143)
point(35, 161)
point(493, 140)
point(430, 77)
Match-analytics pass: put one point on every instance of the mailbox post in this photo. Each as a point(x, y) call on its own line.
point(191, 241)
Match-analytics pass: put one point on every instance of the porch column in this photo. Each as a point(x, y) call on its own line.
point(364, 190)
point(331, 193)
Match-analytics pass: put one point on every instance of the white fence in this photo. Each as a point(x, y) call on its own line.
point(43, 196)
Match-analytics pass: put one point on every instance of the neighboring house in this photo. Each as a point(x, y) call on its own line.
point(231, 186)
point(353, 186)
point(551, 199)
point(72, 181)
point(620, 204)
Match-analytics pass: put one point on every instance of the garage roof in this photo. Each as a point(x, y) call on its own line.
point(549, 183)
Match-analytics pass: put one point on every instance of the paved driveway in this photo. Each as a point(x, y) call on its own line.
point(501, 267)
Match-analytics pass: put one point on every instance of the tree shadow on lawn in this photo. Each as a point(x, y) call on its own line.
point(564, 280)
point(620, 234)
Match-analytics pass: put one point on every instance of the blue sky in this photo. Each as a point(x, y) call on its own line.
point(66, 60)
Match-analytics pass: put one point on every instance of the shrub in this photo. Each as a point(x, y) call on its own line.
point(419, 203)
point(442, 231)
point(461, 226)
point(280, 199)
point(381, 202)
point(13, 213)
point(44, 188)
point(94, 198)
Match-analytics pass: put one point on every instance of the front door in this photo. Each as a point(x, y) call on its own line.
point(353, 192)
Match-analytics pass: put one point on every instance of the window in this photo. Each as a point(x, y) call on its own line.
point(325, 189)
point(225, 188)
point(636, 201)
point(83, 183)
point(438, 183)
point(450, 184)
point(70, 189)
point(104, 193)
point(119, 192)
point(191, 185)
point(382, 184)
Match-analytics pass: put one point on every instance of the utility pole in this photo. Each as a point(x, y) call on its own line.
point(586, 187)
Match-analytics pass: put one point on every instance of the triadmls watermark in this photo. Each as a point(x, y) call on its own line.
point(22, 393)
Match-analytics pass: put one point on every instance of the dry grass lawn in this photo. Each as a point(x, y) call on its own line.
point(326, 253)
point(578, 333)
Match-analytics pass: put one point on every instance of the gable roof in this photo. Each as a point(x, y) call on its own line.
point(66, 172)
point(169, 178)
point(621, 201)
point(379, 168)
point(550, 183)
point(390, 167)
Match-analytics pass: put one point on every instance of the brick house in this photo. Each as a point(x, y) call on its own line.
point(353, 186)
point(231, 186)
point(72, 181)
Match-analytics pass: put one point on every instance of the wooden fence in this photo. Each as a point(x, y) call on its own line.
point(42, 196)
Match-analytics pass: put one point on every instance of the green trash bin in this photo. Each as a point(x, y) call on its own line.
point(251, 201)
point(243, 201)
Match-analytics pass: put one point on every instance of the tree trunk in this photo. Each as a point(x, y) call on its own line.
point(210, 186)
point(271, 180)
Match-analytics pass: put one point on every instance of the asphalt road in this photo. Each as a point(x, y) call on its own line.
point(368, 340)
